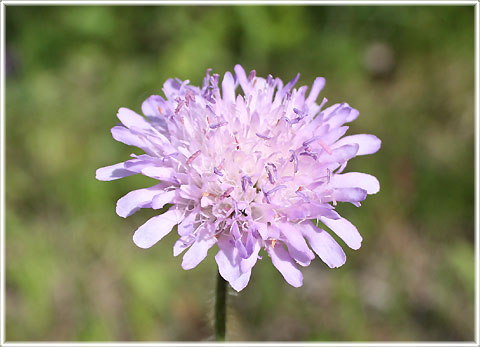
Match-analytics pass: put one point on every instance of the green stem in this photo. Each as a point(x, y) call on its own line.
point(220, 308)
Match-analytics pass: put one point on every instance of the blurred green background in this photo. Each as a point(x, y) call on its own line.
point(72, 270)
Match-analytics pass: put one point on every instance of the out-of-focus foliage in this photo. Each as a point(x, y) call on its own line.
point(72, 271)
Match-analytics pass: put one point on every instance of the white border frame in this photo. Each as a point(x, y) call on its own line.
point(3, 5)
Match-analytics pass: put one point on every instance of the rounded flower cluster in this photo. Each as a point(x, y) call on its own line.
point(245, 172)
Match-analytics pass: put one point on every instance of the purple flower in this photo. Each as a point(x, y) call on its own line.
point(244, 171)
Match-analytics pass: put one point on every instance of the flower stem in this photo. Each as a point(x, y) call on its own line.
point(220, 308)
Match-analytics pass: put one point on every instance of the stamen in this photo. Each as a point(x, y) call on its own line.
point(179, 106)
point(189, 97)
point(220, 167)
point(168, 156)
point(209, 98)
point(227, 193)
point(295, 160)
point(218, 125)
point(265, 137)
point(274, 167)
point(310, 154)
point(297, 111)
point(217, 172)
point(303, 196)
point(311, 140)
point(210, 109)
point(235, 206)
point(274, 242)
point(285, 119)
point(325, 146)
point(160, 109)
point(270, 176)
point(329, 175)
point(193, 157)
point(245, 180)
point(214, 80)
point(276, 189)
point(265, 194)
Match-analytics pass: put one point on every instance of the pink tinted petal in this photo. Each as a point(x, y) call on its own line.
point(368, 144)
point(356, 179)
point(156, 228)
point(163, 198)
point(297, 247)
point(198, 251)
point(132, 119)
point(324, 245)
point(113, 172)
point(345, 230)
point(317, 87)
point(228, 88)
point(285, 264)
point(137, 199)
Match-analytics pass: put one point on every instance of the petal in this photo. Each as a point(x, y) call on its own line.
point(113, 172)
point(198, 251)
point(297, 247)
point(333, 135)
point(287, 87)
point(248, 263)
point(317, 87)
point(282, 261)
point(132, 119)
point(163, 198)
point(309, 211)
point(324, 245)
point(228, 261)
point(242, 78)
point(350, 194)
point(368, 144)
point(345, 230)
point(137, 199)
point(160, 173)
point(150, 106)
point(179, 246)
point(356, 179)
point(228, 88)
point(339, 154)
point(124, 135)
point(141, 162)
point(339, 117)
point(186, 226)
point(156, 228)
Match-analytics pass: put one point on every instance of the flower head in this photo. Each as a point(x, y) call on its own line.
point(244, 171)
